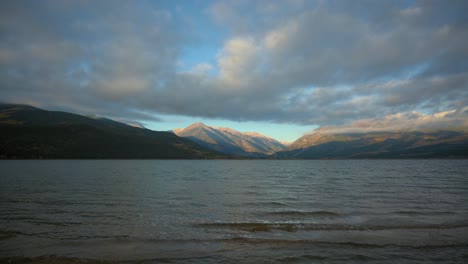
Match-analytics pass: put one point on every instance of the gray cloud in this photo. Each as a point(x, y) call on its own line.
point(304, 62)
point(408, 121)
point(103, 60)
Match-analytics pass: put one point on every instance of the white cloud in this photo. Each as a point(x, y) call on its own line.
point(237, 61)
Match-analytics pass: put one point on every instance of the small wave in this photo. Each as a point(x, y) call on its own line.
point(5, 236)
point(240, 240)
point(63, 203)
point(19, 218)
point(182, 198)
point(100, 216)
point(348, 244)
point(9, 234)
point(197, 205)
point(359, 257)
point(304, 213)
point(293, 227)
point(277, 203)
point(252, 227)
point(276, 241)
point(308, 258)
point(49, 259)
point(262, 204)
point(252, 193)
point(54, 223)
point(291, 199)
point(409, 212)
point(303, 258)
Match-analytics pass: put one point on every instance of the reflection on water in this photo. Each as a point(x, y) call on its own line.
point(234, 211)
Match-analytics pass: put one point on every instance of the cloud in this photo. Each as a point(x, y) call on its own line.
point(201, 69)
point(103, 59)
point(408, 121)
point(237, 61)
point(304, 62)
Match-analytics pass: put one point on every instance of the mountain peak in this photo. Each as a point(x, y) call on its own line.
point(195, 125)
point(198, 124)
point(228, 140)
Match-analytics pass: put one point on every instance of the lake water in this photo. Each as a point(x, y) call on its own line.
point(250, 211)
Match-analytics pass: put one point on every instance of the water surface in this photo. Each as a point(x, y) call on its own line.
point(252, 211)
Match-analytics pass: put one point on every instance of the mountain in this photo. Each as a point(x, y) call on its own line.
point(407, 144)
point(29, 132)
point(32, 133)
point(230, 141)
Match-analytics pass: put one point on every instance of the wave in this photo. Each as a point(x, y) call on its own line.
point(314, 258)
point(49, 259)
point(228, 242)
point(100, 216)
point(64, 203)
point(293, 227)
point(262, 204)
point(303, 213)
point(6, 235)
point(332, 244)
point(300, 258)
point(409, 212)
point(243, 240)
point(40, 222)
point(369, 255)
point(19, 218)
point(9, 234)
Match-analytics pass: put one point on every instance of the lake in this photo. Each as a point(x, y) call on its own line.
point(234, 211)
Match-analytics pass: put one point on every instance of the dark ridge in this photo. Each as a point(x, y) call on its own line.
point(32, 133)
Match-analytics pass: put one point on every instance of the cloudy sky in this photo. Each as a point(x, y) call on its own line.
point(278, 67)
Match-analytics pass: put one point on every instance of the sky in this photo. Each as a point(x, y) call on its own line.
point(279, 67)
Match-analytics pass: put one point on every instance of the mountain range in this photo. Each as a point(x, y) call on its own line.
point(27, 132)
point(230, 141)
point(401, 144)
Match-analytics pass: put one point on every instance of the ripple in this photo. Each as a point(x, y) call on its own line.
point(293, 227)
point(303, 213)
point(409, 212)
